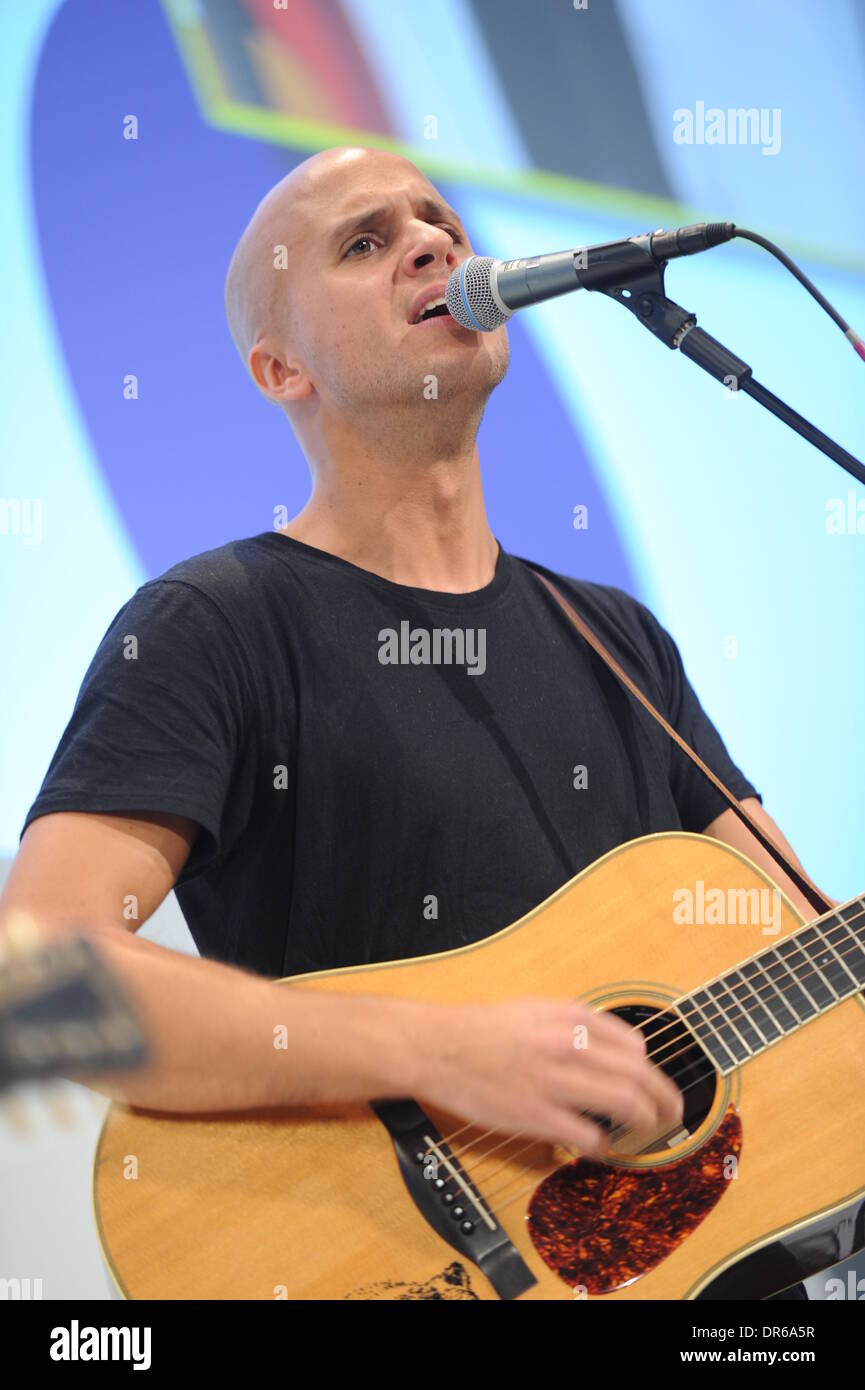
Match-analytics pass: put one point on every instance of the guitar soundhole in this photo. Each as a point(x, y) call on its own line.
point(671, 1046)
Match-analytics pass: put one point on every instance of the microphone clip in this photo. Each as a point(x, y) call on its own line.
point(645, 296)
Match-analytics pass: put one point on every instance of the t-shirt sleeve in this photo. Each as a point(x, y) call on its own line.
point(698, 802)
point(159, 721)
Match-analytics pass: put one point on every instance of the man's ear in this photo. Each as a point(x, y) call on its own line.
point(282, 381)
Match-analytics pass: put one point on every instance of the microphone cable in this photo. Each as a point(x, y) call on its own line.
point(849, 333)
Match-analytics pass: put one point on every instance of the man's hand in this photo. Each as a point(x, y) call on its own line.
point(530, 1066)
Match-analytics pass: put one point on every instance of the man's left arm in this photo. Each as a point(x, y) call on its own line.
point(732, 831)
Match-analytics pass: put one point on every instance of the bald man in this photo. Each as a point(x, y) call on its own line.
point(353, 739)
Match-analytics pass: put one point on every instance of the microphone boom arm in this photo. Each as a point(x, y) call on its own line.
point(643, 293)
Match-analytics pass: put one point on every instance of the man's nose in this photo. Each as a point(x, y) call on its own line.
point(429, 246)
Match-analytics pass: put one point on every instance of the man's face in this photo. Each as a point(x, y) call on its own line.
point(372, 242)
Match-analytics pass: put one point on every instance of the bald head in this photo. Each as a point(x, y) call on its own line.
point(256, 295)
point(325, 288)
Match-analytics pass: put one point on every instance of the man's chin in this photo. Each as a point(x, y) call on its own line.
point(464, 358)
point(449, 376)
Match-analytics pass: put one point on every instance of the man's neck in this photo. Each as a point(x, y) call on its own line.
point(415, 521)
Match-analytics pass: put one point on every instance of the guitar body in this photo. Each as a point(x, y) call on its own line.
point(313, 1204)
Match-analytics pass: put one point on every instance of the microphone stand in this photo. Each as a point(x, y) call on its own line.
point(643, 293)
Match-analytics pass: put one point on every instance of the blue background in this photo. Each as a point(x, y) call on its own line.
point(551, 132)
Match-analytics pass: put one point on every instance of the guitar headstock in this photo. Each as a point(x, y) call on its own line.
point(62, 1013)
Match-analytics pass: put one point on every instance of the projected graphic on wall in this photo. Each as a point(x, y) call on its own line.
point(137, 146)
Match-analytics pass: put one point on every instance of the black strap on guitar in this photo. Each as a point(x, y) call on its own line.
point(801, 880)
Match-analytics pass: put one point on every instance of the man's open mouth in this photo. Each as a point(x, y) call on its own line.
point(436, 309)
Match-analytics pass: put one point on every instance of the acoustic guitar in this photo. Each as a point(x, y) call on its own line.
point(757, 1016)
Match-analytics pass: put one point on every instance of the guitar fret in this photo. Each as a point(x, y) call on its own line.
point(787, 984)
point(853, 914)
point(809, 980)
point(849, 927)
point(826, 959)
point(772, 998)
point(758, 1014)
point(739, 1020)
point(721, 1025)
point(842, 939)
point(718, 1051)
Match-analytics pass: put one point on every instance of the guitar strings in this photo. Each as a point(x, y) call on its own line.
point(684, 1033)
point(614, 1133)
point(771, 988)
point(488, 1197)
point(692, 1038)
point(535, 1143)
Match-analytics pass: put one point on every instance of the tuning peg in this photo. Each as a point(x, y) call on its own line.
point(20, 933)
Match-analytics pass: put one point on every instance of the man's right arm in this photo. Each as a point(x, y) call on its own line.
point(211, 1027)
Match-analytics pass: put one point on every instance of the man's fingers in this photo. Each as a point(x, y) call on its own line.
point(668, 1097)
point(622, 1099)
point(574, 1131)
point(613, 1048)
point(608, 1027)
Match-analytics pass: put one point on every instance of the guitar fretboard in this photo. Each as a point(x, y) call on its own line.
point(764, 999)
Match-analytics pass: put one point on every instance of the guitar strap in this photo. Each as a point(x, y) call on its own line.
point(802, 882)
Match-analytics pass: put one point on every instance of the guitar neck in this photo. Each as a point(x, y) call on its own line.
point(779, 990)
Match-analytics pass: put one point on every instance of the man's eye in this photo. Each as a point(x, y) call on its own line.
point(359, 241)
point(363, 244)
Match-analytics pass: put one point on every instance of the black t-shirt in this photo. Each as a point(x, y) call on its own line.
point(361, 798)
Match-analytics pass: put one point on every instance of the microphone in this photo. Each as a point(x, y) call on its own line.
point(483, 293)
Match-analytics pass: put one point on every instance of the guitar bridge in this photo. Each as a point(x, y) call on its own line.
point(451, 1205)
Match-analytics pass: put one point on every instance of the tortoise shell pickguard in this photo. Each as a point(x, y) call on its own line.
point(602, 1227)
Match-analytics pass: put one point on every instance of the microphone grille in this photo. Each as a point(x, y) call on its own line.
point(469, 296)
